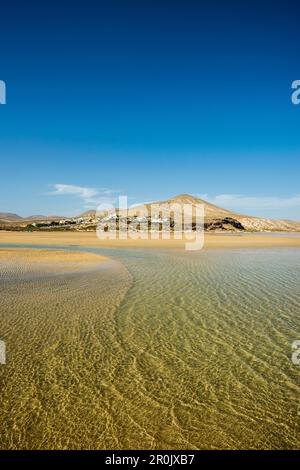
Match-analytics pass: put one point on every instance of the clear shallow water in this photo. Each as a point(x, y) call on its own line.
point(178, 350)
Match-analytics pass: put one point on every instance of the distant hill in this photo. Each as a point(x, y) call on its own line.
point(9, 217)
point(213, 214)
point(90, 213)
point(211, 211)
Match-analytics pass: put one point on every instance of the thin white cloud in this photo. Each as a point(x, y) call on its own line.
point(252, 203)
point(91, 197)
point(72, 190)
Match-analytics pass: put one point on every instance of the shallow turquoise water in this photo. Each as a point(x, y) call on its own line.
point(197, 354)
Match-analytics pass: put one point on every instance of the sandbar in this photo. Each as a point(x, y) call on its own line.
point(90, 239)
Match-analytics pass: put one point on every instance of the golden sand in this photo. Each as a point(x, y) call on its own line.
point(90, 239)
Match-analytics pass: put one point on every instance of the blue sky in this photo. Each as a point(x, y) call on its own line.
point(149, 99)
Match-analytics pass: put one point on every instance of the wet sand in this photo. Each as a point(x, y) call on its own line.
point(90, 239)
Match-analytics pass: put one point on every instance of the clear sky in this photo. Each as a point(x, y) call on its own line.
point(149, 99)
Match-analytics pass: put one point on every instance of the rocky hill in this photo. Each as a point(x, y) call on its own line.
point(214, 213)
point(216, 218)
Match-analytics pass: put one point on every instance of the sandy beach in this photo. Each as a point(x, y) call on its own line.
point(90, 239)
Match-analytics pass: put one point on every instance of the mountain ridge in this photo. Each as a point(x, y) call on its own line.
point(213, 213)
point(12, 217)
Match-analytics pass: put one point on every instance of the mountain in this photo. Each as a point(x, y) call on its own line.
point(215, 216)
point(89, 213)
point(256, 224)
point(9, 217)
point(211, 211)
point(214, 213)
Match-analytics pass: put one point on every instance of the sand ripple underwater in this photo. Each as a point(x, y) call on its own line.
point(151, 350)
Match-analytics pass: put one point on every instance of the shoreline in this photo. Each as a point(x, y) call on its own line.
point(90, 239)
